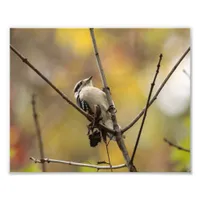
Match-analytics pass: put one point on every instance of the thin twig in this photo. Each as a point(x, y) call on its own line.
point(107, 151)
point(146, 108)
point(37, 125)
point(48, 160)
point(186, 73)
point(56, 89)
point(176, 146)
point(158, 91)
point(112, 109)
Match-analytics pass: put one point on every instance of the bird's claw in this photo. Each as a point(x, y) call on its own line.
point(111, 107)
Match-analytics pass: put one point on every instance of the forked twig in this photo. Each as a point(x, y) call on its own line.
point(48, 160)
point(176, 146)
point(157, 93)
point(38, 132)
point(112, 109)
point(146, 108)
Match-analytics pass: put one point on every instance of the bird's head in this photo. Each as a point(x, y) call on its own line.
point(82, 83)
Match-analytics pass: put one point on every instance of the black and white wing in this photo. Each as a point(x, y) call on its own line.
point(83, 105)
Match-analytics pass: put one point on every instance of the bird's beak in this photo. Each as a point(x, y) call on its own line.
point(90, 78)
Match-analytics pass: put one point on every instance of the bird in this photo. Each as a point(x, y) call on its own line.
point(87, 97)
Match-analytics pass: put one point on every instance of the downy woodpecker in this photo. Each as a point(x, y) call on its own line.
point(87, 97)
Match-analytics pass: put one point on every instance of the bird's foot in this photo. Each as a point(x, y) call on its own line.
point(111, 107)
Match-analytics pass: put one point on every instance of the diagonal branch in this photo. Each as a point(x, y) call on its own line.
point(146, 109)
point(56, 89)
point(176, 146)
point(46, 80)
point(157, 93)
point(37, 125)
point(48, 160)
point(106, 89)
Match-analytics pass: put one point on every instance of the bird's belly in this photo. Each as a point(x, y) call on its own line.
point(94, 96)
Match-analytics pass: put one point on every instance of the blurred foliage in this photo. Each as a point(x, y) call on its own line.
point(182, 158)
point(31, 167)
point(129, 57)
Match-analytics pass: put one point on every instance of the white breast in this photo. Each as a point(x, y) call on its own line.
point(94, 96)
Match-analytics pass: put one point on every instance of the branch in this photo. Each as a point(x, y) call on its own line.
point(112, 110)
point(109, 160)
point(56, 89)
point(35, 117)
point(146, 108)
point(176, 146)
point(157, 93)
point(48, 160)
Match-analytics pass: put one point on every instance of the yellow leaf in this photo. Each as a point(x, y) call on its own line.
point(77, 39)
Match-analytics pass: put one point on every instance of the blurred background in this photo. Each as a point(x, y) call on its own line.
point(129, 58)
